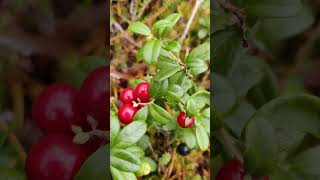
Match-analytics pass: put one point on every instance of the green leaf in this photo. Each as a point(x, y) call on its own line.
point(271, 8)
point(274, 29)
point(140, 54)
point(178, 78)
point(291, 117)
point(136, 150)
point(174, 93)
point(197, 102)
point(95, 166)
point(307, 162)
point(124, 160)
point(162, 27)
point(224, 98)
point(114, 128)
point(11, 174)
point(261, 151)
point(201, 52)
point(230, 39)
point(140, 28)
point(166, 68)
point(246, 72)
point(202, 138)
point(239, 116)
point(196, 66)
point(189, 137)
point(202, 33)
point(158, 88)
point(159, 114)
point(152, 163)
point(151, 51)
point(143, 143)
point(174, 18)
point(131, 134)
point(120, 175)
point(172, 46)
point(141, 115)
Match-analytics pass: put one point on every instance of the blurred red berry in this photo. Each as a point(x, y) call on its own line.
point(94, 97)
point(232, 170)
point(55, 108)
point(55, 157)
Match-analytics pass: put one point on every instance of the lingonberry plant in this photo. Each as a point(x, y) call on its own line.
point(261, 131)
point(169, 100)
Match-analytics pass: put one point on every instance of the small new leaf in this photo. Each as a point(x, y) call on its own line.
point(140, 28)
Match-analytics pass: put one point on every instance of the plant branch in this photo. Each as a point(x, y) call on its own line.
point(118, 26)
point(193, 13)
point(236, 11)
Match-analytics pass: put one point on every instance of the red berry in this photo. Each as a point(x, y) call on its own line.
point(142, 91)
point(55, 157)
point(126, 113)
point(184, 121)
point(55, 109)
point(127, 96)
point(233, 170)
point(94, 97)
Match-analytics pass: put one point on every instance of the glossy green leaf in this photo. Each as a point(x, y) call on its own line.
point(223, 95)
point(196, 66)
point(140, 28)
point(140, 54)
point(166, 68)
point(178, 78)
point(201, 52)
point(197, 102)
point(162, 27)
point(174, 93)
point(189, 137)
point(246, 72)
point(307, 162)
point(172, 46)
point(239, 116)
point(261, 150)
point(131, 134)
point(141, 115)
point(114, 128)
point(120, 175)
point(151, 51)
point(202, 138)
point(136, 150)
point(95, 167)
point(158, 88)
point(159, 114)
point(124, 160)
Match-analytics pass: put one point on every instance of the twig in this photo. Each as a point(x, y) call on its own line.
point(193, 13)
point(155, 156)
point(227, 5)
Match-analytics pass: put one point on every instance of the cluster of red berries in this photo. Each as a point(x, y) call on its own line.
point(56, 110)
point(128, 97)
point(140, 95)
point(234, 170)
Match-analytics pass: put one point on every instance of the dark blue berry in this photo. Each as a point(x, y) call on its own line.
point(183, 149)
